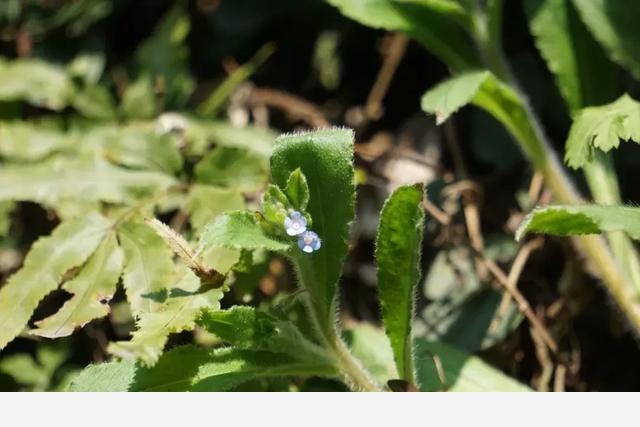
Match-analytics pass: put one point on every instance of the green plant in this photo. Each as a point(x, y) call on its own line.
point(577, 39)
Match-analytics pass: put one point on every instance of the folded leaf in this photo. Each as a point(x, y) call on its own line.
point(565, 220)
point(398, 250)
point(69, 246)
point(325, 159)
point(602, 128)
point(194, 369)
point(92, 288)
point(613, 24)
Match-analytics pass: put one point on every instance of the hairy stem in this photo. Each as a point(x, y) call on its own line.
point(356, 376)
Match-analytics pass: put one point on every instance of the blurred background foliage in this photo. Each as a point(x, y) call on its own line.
point(91, 86)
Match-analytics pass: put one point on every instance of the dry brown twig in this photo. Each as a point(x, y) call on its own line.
point(294, 106)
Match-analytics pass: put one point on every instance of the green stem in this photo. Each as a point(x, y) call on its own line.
point(356, 376)
point(603, 182)
point(534, 144)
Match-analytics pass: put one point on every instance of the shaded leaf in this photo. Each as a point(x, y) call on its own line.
point(398, 250)
point(568, 220)
point(232, 168)
point(92, 288)
point(207, 202)
point(70, 244)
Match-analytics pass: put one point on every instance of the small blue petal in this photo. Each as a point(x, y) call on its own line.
point(309, 242)
point(295, 224)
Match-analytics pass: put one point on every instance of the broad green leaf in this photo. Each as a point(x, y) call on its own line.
point(176, 314)
point(36, 82)
point(371, 346)
point(232, 168)
point(195, 369)
point(582, 72)
point(325, 157)
point(139, 99)
point(207, 202)
point(462, 371)
point(602, 128)
point(200, 134)
point(94, 102)
point(28, 142)
point(148, 269)
point(249, 328)
point(49, 259)
point(568, 220)
point(297, 190)
point(92, 289)
point(398, 250)
point(439, 25)
point(81, 180)
point(484, 90)
point(614, 24)
point(238, 230)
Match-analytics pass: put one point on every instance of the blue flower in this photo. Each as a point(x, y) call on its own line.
point(295, 224)
point(309, 242)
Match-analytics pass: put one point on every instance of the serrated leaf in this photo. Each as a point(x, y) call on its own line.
point(297, 190)
point(232, 168)
point(462, 371)
point(207, 202)
point(238, 230)
point(325, 157)
point(27, 142)
point(148, 270)
point(437, 24)
point(92, 288)
point(483, 89)
point(36, 82)
point(602, 128)
point(139, 99)
point(70, 244)
point(195, 369)
point(398, 250)
point(81, 180)
point(178, 313)
point(582, 72)
point(568, 220)
point(614, 25)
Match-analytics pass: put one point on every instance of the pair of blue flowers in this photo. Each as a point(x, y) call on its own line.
point(296, 225)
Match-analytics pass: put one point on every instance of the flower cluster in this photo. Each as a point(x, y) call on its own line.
point(296, 225)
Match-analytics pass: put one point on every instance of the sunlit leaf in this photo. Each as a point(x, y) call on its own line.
point(239, 230)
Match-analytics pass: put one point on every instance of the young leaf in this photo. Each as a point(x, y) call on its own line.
point(238, 230)
point(398, 249)
point(195, 369)
point(148, 270)
point(564, 220)
point(48, 260)
point(602, 128)
point(178, 313)
point(325, 159)
point(437, 24)
point(484, 90)
point(274, 206)
point(582, 72)
point(232, 168)
point(297, 190)
point(462, 371)
point(92, 289)
point(613, 24)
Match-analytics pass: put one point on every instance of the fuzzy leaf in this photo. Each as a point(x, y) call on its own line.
point(398, 249)
point(297, 190)
point(437, 24)
point(232, 168)
point(92, 288)
point(565, 220)
point(602, 128)
point(238, 230)
point(195, 369)
point(148, 270)
point(614, 24)
point(178, 313)
point(70, 244)
point(325, 158)
point(582, 72)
